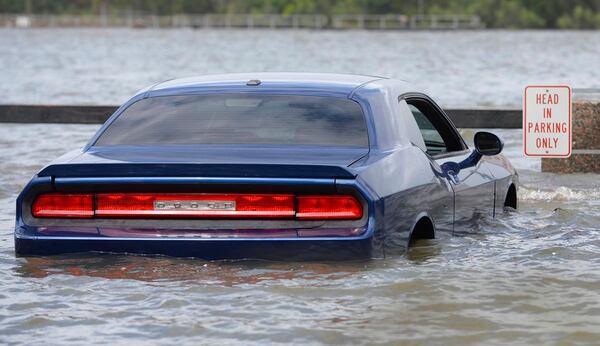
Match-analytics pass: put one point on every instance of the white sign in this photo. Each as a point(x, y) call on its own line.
point(547, 121)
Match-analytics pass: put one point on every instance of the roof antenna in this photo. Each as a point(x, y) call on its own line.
point(253, 82)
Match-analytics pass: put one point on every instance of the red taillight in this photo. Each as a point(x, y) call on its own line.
point(63, 205)
point(328, 207)
point(195, 205)
point(199, 205)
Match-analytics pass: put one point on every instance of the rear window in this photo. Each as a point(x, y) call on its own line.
point(239, 119)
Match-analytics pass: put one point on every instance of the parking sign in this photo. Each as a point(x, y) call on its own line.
point(547, 121)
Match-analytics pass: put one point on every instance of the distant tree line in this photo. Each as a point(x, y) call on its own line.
point(573, 14)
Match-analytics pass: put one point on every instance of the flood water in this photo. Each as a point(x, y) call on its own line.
point(460, 68)
point(526, 277)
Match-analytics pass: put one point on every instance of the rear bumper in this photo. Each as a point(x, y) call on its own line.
point(56, 236)
point(288, 250)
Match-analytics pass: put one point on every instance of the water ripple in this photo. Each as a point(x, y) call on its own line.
point(527, 277)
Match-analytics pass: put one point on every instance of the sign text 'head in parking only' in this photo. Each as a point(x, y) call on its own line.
point(547, 121)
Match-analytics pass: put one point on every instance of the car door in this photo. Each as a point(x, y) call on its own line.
point(473, 184)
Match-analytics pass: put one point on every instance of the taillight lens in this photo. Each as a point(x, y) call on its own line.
point(64, 205)
point(195, 205)
point(328, 207)
point(199, 205)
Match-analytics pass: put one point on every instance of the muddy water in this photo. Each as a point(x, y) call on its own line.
point(527, 277)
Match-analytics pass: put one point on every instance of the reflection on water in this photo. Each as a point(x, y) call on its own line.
point(423, 250)
point(527, 277)
point(155, 269)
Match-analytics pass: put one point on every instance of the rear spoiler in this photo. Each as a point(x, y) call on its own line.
point(195, 170)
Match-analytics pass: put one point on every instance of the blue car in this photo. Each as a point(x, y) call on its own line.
point(287, 166)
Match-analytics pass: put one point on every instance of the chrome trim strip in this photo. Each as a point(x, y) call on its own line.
point(363, 236)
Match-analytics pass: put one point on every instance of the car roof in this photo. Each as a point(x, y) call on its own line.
point(338, 83)
point(379, 92)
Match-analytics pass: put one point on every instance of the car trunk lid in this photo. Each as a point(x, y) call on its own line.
point(209, 161)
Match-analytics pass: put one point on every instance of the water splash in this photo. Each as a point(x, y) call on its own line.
point(560, 193)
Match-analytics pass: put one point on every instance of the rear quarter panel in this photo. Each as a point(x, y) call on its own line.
point(408, 188)
point(505, 175)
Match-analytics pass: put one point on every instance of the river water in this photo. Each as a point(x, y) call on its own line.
point(527, 277)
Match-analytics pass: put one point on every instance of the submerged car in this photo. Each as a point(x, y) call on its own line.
point(277, 166)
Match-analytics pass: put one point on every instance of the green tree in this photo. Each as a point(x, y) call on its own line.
point(576, 14)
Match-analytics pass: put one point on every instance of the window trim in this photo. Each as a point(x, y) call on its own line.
point(443, 117)
point(449, 154)
point(127, 105)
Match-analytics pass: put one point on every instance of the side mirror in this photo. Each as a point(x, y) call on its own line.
point(487, 143)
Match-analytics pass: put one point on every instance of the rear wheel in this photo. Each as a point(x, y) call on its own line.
point(422, 230)
point(511, 198)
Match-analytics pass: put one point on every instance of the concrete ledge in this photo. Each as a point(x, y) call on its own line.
point(586, 125)
point(55, 114)
point(477, 118)
point(463, 117)
point(585, 157)
point(585, 162)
